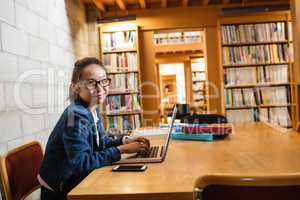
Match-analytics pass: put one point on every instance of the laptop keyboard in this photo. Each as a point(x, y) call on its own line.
point(151, 153)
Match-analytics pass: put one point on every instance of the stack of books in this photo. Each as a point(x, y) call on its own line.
point(207, 132)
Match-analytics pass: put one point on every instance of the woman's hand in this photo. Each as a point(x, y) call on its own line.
point(140, 139)
point(133, 147)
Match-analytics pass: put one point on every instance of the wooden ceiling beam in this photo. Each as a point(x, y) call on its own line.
point(164, 3)
point(226, 1)
point(142, 3)
point(185, 3)
point(121, 4)
point(100, 5)
point(205, 2)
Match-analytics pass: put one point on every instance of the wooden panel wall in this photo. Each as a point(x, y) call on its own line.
point(213, 71)
point(295, 8)
point(172, 19)
point(150, 82)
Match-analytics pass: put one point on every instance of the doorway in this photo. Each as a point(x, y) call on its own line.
point(172, 85)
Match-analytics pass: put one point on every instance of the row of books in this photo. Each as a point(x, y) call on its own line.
point(199, 96)
point(124, 123)
point(278, 116)
point(274, 95)
point(118, 40)
point(124, 82)
point(257, 54)
point(248, 33)
point(273, 74)
point(186, 37)
point(198, 86)
point(257, 96)
point(256, 75)
point(240, 76)
point(241, 116)
point(198, 76)
point(122, 103)
point(240, 97)
point(199, 65)
point(115, 61)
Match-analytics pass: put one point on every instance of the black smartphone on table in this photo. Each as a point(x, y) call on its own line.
point(129, 168)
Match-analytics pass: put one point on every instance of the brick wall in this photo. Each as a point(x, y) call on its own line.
point(39, 42)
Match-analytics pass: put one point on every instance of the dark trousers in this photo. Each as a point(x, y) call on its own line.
point(47, 194)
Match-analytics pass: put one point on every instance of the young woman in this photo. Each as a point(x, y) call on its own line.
point(78, 143)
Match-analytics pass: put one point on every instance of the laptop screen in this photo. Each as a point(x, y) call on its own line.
point(170, 131)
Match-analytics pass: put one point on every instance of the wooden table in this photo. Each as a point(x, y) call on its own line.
point(254, 148)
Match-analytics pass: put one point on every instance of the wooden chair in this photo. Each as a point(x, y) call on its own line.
point(19, 169)
point(237, 187)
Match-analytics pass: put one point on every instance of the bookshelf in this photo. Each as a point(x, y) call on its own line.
point(199, 85)
point(258, 71)
point(120, 55)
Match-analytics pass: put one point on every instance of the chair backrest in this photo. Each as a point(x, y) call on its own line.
point(204, 119)
point(19, 169)
point(228, 187)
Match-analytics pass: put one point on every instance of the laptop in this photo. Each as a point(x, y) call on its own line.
point(155, 153)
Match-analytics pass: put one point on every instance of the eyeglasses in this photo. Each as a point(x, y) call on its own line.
point(92, 83)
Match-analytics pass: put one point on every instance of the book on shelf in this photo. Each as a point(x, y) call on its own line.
point(240, 97)
point(240, 76)
point(291, 52)
point(290, 31)
point(256, 54)
point(198, 76)
point(278, 116)
point(252, 97)
point(120, 61)
point(125, 123)
point(122, 103)
point(241, 116)
point(254, 33)
point(261, 75)
point(198, 86)
point(274, 95)
point(198, 64)
point(273, 74)
point(124, 82)
point(191, 37)
point(199, 96)
point(118, 40)
point(180, 37)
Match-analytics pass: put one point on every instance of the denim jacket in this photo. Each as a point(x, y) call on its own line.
point(72, 151)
